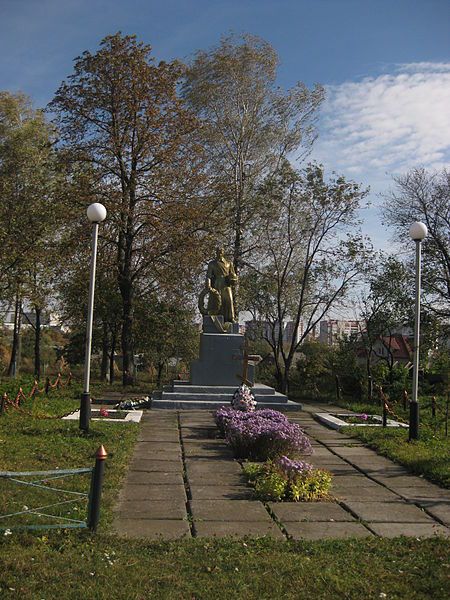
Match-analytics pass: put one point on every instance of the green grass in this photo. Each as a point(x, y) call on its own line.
point(83, 566)
point(77, 564)
point(30, 442)
point(428, 456)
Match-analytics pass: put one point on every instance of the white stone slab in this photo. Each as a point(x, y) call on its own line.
point(333, 421)
point(132, 416)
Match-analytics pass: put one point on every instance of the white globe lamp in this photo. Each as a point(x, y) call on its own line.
point(96, 212)
point(418, 231)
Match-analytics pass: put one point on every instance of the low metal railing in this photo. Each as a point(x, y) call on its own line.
point(43, 480)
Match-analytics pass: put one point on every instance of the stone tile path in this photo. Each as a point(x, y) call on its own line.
point(183, 482)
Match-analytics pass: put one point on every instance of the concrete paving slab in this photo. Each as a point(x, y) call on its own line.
point(201, 442)
point(357, 452)
point(237, 529)
point(339, 470)
point(394, 481)
point(161, 455)
point(329, 530)
point(387, 512)
point(159, 436)
point(168, 447)
point(386, 470)
point(219, 460)
point(153, 478)
point(152, 529)
point(161, 423)
point(226, 510)
point(371, 462)
point(219, 453)
point(221, 492)
point(339, 443)
point(156, 492)
point(434, 493)
point(327, 460)
point(217, 478)
point(366, 494)
point(417, 530)
point(345, 481)
point(148, 464)
point(205, 468)
point(440, 511)
point(287, 512)
point(153, 509)
point(321, 451)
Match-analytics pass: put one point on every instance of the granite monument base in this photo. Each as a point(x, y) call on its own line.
point(221, 367)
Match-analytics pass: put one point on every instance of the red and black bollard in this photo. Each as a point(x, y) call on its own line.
point(95, 493)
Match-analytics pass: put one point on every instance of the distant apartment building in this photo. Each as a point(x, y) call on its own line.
point(333, 329)
point(265, 330)
point(257, 329)
point(28, 319)
point(289, 332)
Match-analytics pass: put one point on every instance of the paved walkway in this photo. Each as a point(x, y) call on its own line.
point(183, 481)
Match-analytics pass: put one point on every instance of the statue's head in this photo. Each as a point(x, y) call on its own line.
point(220, 253)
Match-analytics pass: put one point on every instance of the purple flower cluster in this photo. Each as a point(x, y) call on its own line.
point(291, 468)
point(260, 437)
point(225, 414)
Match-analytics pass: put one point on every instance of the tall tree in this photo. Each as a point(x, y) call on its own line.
point(120, 114)
point(28, 207)
point(248, 126)
point(166, 331)
point(421, 195)
point(385, 307)
point(309, 256)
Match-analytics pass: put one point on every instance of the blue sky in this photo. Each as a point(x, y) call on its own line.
point(385, 64)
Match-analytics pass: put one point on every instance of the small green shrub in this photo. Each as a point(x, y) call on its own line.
point(314, 486)
point(271, 486)
point(288, 480)
point(253, 470)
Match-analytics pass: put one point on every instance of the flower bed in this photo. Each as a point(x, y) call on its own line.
point(267, 435)
point(288, 480)
point(227, 414)
point(262, 434)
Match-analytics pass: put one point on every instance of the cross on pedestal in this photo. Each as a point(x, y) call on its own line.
point(246, 357)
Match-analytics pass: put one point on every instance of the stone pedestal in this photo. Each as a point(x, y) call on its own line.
point(221, 361)
point(217, 374)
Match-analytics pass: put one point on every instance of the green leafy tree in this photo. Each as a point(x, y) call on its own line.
point(309, 255)
point(166, 331)
point(421, 195)
point(385, 309)
point(248, 126)
point(29, 212)
point(119, 114)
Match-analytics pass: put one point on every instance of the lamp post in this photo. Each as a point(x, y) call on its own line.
point(96, 213)
point(418, 232)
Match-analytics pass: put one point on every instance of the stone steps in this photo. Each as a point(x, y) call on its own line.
point(182, 395)
point(258, 389)
point(213, 404)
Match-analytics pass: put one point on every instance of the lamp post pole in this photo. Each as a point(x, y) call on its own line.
point(418, 232)
point(96, 214)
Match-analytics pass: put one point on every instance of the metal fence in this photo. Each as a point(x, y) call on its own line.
point(50, 482)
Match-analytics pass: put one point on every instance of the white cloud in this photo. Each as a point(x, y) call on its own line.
point(389, 123)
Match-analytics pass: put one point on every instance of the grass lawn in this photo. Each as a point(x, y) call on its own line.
point(85, 566)
point(429, 456)
point(37, 443)
point(77, 564)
